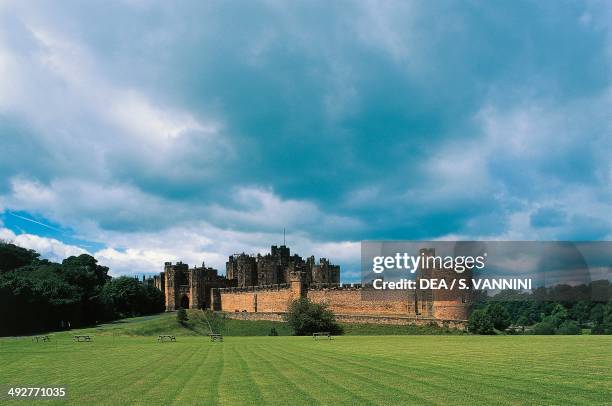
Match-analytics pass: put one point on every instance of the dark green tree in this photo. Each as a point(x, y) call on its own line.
point(559, 314)
point(500, 317)
point(306, 318)
point(581, 311)
point(597, 313)
point(569, 327)
point(545, 327)
point(13, 256)
point(480, 322)
point(127, 297)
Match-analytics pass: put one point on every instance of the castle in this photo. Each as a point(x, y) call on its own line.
point(262, 287)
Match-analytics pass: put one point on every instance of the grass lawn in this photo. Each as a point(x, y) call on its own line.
point(118, 368)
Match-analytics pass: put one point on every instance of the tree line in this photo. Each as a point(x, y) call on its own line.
point(561, 309)
point(39, 295)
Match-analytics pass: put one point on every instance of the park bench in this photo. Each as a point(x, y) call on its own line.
point(215, 337)
point(41, 338)
point(322, 334)
point(162, 338)
point(84, 338)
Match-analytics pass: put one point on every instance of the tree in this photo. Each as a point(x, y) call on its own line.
point(569, 327)
point(559, 314)
point(499, 316)
point(181, 316)
point(480, 322)
point(602, 317)
point(306, 318)
point(154, 300)
point(13, 256)
point(545, 327)
point(597, 313)
point(581, 311)
point(127, 297)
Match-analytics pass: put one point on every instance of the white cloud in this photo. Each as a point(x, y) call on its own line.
point(257, 207)
point(48, 248)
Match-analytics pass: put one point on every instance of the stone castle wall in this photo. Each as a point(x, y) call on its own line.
point(257, 299)
point(355, 301)
point(342, 301)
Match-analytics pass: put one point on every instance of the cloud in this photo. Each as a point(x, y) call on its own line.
point(48, 248)
point(158, 131)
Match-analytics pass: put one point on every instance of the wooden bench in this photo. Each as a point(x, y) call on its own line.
point(322, 334)
point(162, 338)
point(215, 337)
point(85, 338)
point(41, 338)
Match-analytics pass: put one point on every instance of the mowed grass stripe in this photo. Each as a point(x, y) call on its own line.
point(364, 384)
point(457, 372)
point(167, 389)
point(502, 375)
point(385, 383)
point(237, 385)
point(324, 387)
point(275, 385)
point(125, 364)
point(428, 381)
point(202, 385)
point(140, 385)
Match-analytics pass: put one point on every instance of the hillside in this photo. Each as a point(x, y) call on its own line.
point(166, 323)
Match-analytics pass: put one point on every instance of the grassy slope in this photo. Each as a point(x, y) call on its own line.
point(196, 325)
point(298, 370)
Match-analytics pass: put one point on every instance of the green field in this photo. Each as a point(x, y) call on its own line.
point(122, 365)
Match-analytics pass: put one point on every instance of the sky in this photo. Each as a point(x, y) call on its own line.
point(147, 131)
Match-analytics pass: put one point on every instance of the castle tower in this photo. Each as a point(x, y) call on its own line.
point(175, 280)
point(298, 285)
point(170, 292)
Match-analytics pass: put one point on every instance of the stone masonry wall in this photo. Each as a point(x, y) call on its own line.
point(238, 301)
point(350, 301)
point(273, 300)
point(345, 303)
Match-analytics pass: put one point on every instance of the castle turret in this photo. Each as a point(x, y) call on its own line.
point(298, 285)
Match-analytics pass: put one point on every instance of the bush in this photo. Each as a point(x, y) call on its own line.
point(306, 318)
point(181, 315)
point(499, 316)
point(569, 327)
point(273, 332)
point(480, 323)
point(545, 327)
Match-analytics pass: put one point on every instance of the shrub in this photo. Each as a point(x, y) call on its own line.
point(306, 318)
point(545, 327)
point(273, 332)
point(480, 322)
point(569, 327)
point(598, 329)
point(181, 316)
